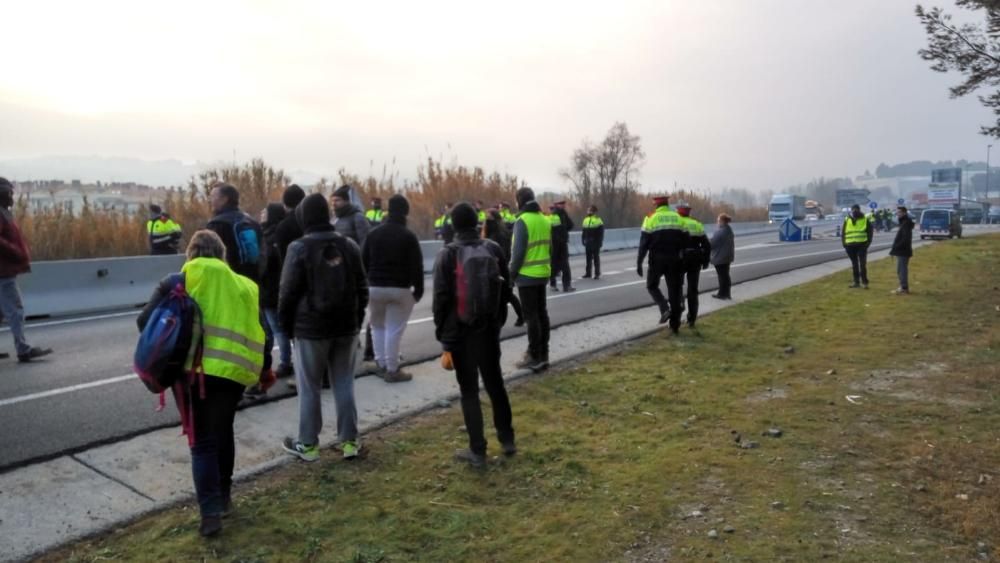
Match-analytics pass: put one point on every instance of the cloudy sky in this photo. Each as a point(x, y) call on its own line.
point(753, 93)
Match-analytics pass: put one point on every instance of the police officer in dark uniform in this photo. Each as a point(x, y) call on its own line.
point(696, 257)
point(664, 238)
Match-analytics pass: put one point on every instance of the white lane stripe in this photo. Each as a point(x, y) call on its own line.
point(62, 390)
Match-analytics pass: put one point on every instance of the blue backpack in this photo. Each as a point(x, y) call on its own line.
point(163, 346)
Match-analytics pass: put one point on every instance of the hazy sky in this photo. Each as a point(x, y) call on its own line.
point(755, 93)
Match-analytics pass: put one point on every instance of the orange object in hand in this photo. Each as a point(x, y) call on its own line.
point(446, 361)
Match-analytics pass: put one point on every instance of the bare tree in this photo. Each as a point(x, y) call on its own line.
point(607, 174)
point(971, 49)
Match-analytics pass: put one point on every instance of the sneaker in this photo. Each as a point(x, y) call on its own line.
point(285, 370)
point(864, 285)
point(33, 354)
point(300, 450)
point(519, 322)
point(900, 291)
point(525, 362)
point(254, 392)
point(509, 448)
point(210, 526)
point(569, 289)
point(4, 355)
point(470, 457)
point(554, 288)
point(585, 277)
point(597, 277)
point(397, 376)
point(542, 363)
point(292, 385)
point(664, 317)
point(351, 449)
point(854, 286)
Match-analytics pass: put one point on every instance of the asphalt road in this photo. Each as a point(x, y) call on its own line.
point(85, 393)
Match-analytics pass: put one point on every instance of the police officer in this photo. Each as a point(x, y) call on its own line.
point(561, 226)
point(375, 214)
point(508, 216)
point(480, 214)
point(443, 229)
point(592, 237)
point(696, 257)
point(164, 233)
point(664, 239)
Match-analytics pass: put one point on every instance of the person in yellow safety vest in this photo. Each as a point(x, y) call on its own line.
point(234, 352)
point(664, 239)
point(530, 268)
point(856, 236)
point(481, 214)
point(592, 238)
point(696, 258)
point(508, 216)
point(375, 215)
point(164, 233)
point(443, 228)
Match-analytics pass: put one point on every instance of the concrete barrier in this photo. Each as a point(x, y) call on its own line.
point(70, 287)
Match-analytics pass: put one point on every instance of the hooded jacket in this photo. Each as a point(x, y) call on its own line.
point(273, 254)
point(902, 245)
point(351, 223)
point(14, 256)
point(392, 256)
point(222, 224)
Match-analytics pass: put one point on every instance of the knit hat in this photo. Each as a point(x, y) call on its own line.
point(343, 192)
point(293, 196)
point(464, 216)
point(275, 214)
point(313, 211)
point(399, 206)
point(5, 184)
point(524, 195)
point(155, 209)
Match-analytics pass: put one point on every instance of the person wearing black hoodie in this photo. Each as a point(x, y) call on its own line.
point(272, 219)
point(395, 266)
point(288, 229)
point(321, 304)
point(902, 250)
point(475, 347)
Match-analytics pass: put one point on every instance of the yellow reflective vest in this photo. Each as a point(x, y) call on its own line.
point(374, 215)
point(538, 257)
point(592, 222)
point(693, 226)
point(230, 319)
point(661, 219)
point(855, 231)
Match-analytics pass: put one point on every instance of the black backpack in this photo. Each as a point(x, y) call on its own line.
point(478, 284)
point(330, 285)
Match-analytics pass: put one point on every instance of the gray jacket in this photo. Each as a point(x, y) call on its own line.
point(351, 223)
point(723, 246)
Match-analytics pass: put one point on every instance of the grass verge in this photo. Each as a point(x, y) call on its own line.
point(888, 450)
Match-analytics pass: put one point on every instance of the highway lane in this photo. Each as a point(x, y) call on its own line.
point(85, 393)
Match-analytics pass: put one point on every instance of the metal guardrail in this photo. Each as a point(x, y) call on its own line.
point(69, 287)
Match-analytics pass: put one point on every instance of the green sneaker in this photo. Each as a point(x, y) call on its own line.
point(351, 449)
point(300, 450)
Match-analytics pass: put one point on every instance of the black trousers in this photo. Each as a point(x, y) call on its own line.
point(725, 282)
point(516, 304)
point(536, 316)
point(560, 264)
point(692, 273)
point(858, 253)
point(214, 449)
point(479, 355)
point(593, 260)
point(673, 271)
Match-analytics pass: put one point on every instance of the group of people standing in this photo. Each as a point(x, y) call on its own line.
point(856, 235)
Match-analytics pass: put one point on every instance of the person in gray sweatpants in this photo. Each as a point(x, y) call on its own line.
point(321, 304)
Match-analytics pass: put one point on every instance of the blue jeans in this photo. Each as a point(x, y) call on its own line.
point(284, 345)
point(12, 311)
point(214, 451)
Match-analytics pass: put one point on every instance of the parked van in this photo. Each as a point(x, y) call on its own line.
point(940, 223)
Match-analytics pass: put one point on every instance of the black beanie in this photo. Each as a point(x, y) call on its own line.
point(155, 209)
point(343, 192)
point(5, 184)
point(275, 214)
point(399, 206)
point(313, 212)
point(524, 195)
point(293, 196)
point(464, 217)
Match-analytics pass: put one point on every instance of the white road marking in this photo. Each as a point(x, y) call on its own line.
point(62, 390)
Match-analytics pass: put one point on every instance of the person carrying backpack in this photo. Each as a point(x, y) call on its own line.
point(471, 283)
point(242, 235)
point(230, 350)
point(321, 304)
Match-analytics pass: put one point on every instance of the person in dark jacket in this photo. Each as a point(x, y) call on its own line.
point(664, 239)
point(592, 237)
point(240, 255)
point(560, 248)
point(723, 255)
point(495, 229)
point(856, 236)
point(395, 266)
point(164, 233)
point(349, 221)
point(288, 229)
point(902, 249)
point(14, 261)
point(273, 218)
point(475, 350)
point(325, 324)
point(696, 258)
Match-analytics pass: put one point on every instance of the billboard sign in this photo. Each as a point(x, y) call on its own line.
point(942, 194)
point(847, 198)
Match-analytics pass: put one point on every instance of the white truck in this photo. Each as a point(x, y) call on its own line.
point(783, 206)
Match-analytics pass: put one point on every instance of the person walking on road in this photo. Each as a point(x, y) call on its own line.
point(723, 255)
point(235, 354)
point(495, 229)
point(240, 233)
point(592, 237)
point(696, 257)
point(321, 304)
point(14, 261)
point(395, 267)
point(164, 233)
point(856, 236)
point(664, 239)
point(902, 249)
point(468, 327)
point(530, 268)
point(348, 220)
point(561, 226)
